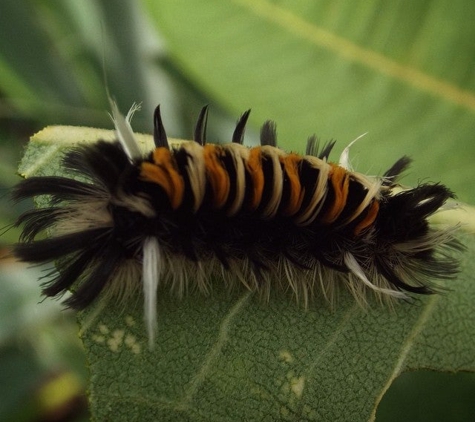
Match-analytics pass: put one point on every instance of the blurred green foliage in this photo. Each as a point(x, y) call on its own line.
point(57, 60)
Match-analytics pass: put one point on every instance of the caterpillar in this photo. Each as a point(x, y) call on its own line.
point(181, 215)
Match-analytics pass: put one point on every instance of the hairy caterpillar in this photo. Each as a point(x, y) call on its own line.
point(184, 214)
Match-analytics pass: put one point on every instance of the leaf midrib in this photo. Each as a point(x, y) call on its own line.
point(323, 38)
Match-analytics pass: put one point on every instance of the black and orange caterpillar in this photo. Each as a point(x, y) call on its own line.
point(187, 213)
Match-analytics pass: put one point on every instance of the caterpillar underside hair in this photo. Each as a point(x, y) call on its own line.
point(186, 214)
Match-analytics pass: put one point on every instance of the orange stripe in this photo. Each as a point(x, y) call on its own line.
point(291, 163)
point(254, 168)
point(163, 172)
point(371, 215)
point(340, 181)
point(216, 174)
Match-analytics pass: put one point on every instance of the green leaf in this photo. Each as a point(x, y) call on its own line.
point(401, 71)
point(230, 356)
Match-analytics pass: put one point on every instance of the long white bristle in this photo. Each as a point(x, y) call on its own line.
point(356, 269)
point(152, 264)
point(345, 155)
point(124, 131)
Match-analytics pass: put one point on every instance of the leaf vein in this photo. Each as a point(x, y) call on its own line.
point(363, 56)
point(214, 352)
point(406, 348)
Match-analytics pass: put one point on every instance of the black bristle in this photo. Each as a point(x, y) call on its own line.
point(238, 135)
point(56, 247)
point(200, 129)
point(159, 134)
point(326, 150)
point(69, 270)
point(313, 148)
point(60, 188)
point(269, 134)
point(395, 171)
point(92, 286)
